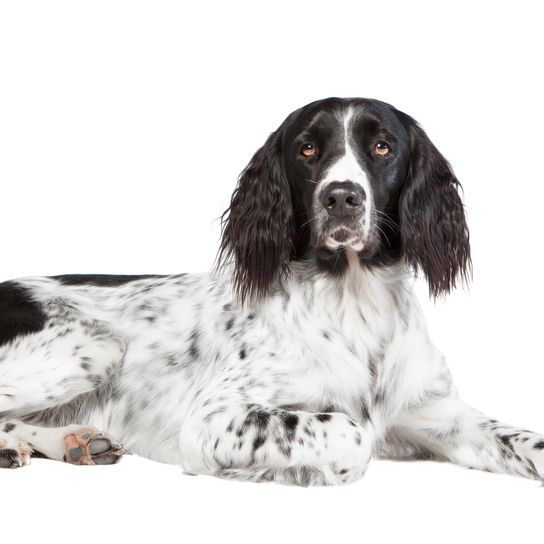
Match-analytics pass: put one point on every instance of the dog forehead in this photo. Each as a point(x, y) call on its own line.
point(320, 118)
point(328, 117)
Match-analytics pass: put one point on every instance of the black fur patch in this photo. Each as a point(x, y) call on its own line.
point(19, 314)
point(102, 280)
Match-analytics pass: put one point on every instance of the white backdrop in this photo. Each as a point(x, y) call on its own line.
point(123, 126)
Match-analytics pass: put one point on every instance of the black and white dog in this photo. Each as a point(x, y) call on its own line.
point(301, 356)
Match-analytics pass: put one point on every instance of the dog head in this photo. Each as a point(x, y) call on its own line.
point(344, 175)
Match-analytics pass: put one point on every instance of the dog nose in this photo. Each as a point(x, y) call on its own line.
point(341, 198)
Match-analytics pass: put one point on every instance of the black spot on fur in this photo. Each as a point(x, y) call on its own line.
point(258, 442)
point(531, 469)
point(379, 396)
point(259, 418)
point(8, 427)
point(193, 347)
point(539, 445)
point(283, 446)
point(505, 439)
point(19, 314)
point(365, 414)
point(323, 417)
point(290, 422)
point(507, 448)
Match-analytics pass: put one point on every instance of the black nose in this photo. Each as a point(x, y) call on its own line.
point(343, 198)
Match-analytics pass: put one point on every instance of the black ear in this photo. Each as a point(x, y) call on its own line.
point(258, 226)
point(434, 232)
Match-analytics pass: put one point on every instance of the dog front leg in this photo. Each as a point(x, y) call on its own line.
point(453, 430)
point(289, 446)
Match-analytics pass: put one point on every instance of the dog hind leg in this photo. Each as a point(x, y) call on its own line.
point(51, 367)
point(70, 356)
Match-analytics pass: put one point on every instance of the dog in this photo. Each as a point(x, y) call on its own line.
point(301, 355)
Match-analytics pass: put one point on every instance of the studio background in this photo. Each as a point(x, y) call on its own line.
point(123, 127)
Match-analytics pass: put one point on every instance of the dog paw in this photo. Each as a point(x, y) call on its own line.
point(88, 446)
point(14, 453)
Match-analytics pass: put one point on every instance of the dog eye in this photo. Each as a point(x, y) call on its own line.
point(308, 150)
point(382, 149)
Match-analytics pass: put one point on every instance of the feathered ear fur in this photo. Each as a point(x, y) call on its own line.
point(258, 226)
point(434, 233)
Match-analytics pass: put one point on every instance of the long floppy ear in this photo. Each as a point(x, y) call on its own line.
point(434, 232)
point(258, 227)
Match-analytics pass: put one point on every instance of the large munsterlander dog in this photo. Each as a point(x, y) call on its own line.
point(304, 354)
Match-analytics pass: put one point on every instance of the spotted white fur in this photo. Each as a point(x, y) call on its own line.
point(302, 388)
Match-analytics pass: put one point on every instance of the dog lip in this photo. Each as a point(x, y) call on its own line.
point(344, 237)
point(342, 234)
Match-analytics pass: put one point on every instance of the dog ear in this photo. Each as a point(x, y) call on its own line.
point(258, 226)
point(434, 232)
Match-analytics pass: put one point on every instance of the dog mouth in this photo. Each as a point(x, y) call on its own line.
point(344, 238)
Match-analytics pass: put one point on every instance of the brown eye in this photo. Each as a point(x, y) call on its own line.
point(308, 150)
point(382, 149)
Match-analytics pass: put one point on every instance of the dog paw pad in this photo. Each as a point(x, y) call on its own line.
point(90, 447)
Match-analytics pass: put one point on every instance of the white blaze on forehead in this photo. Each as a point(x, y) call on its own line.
point(347, 168)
